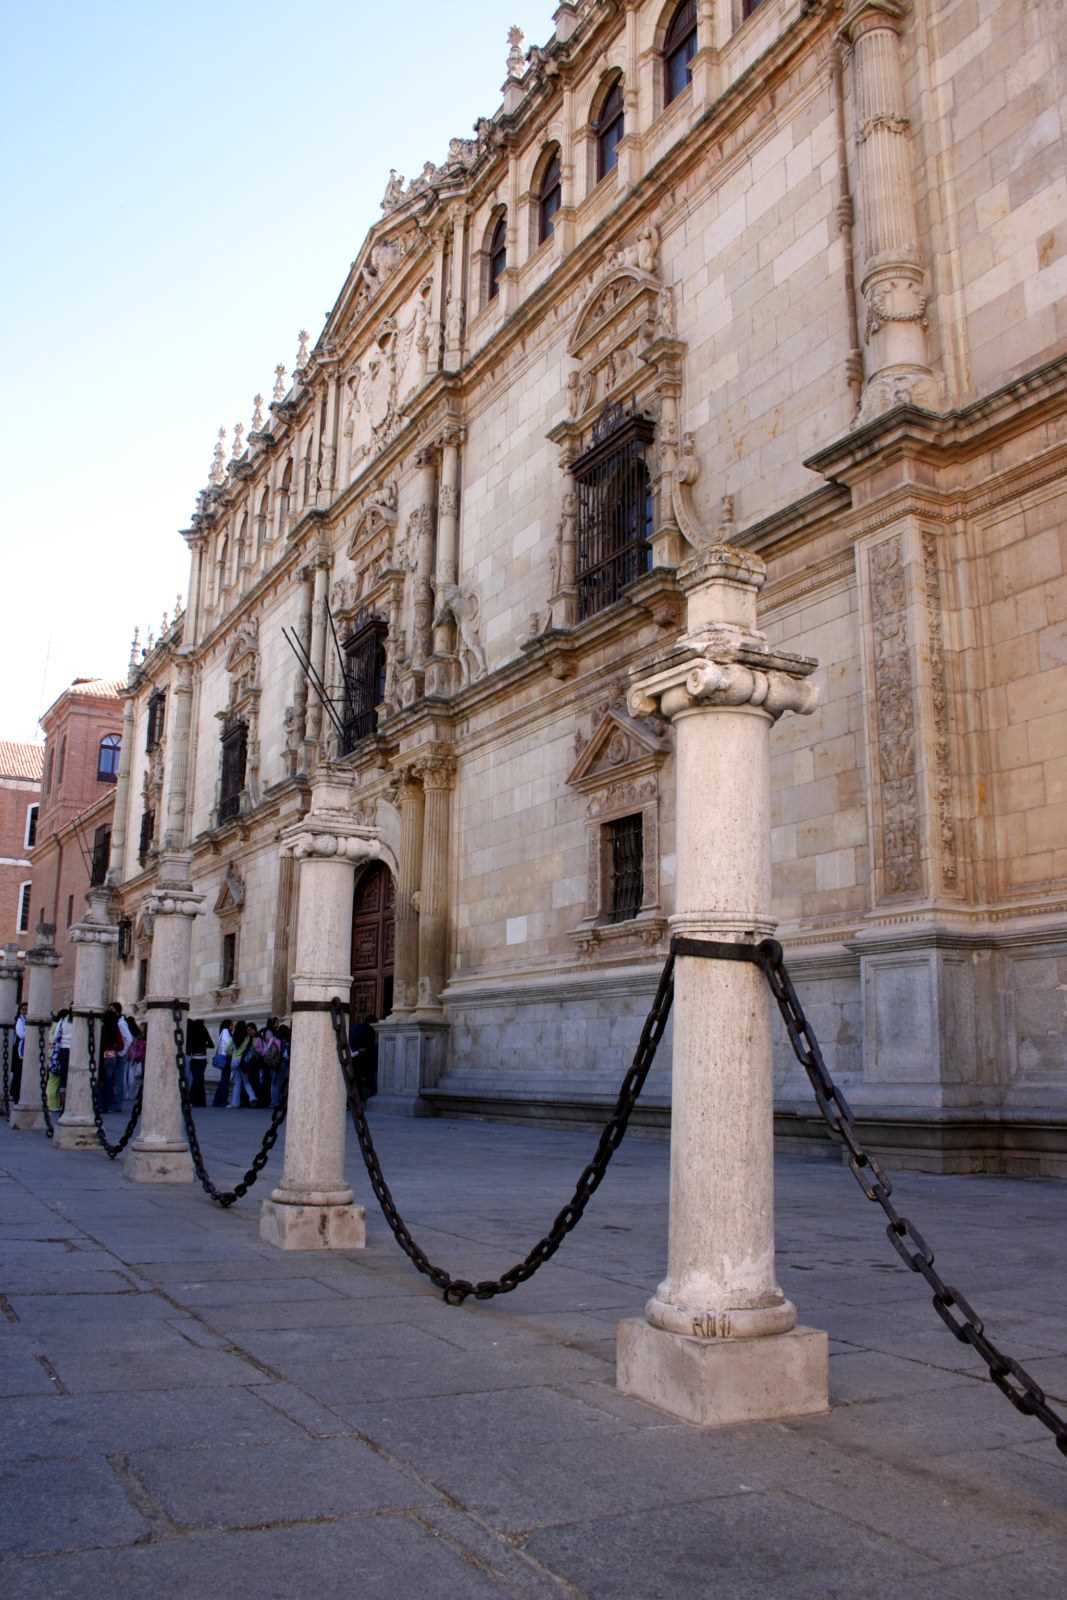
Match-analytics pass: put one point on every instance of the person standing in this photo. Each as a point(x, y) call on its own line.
point(243, 1066)
point(198, 1046)
point(222, 1063)
point(363, 1045)
point(59, 1061)
point(279, 1074)
point(135, 1054)
point(112, 1051)
point(18, 1054)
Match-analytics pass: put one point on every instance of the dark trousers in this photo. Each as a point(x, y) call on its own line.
point(197, 1067)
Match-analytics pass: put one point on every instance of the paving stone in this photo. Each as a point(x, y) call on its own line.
point(380, 1558)
point(243, 1292)
point(65, 1505)
point(537, 1416)
point(22, 1373)
point(177, 1367)
point(69, 1425)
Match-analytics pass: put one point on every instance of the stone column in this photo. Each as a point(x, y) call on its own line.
point(312, 1208)
point(159, 1153)
point(120, 816)
point(178, 733)
point(295, 741)
point(93, 938)
point(9, 990)
point(318, 655)
point(893, 283)
point(406, 959)
point(422, 625)
point(446, 570)
point(455, 306)
point(565, 587)
point(328, 447)
point(41, 963)
point(719, 1343)
point(437, 769)
point(197, 542)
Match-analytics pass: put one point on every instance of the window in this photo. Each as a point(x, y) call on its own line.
point(364, 682)
point(229, 960)
point(614, 509)
point(679, 48)
point(234, 762)
point(102, 854)
point(125, 939)
point(48, 770)
point(749, 6)
point(23, 924)
point(62, 760)
point(107, 761)
point(70, 909)
point(549, 198)
point(498, 255)
point(31, 826)
point(157, 716)
point(283, 498)
point(142, 978)
point(625, 842)
point(148, 833)
point(609, 127)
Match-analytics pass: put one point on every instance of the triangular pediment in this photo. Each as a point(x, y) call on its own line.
point(621, 746)
point(608, 300)
point(388, 250)
point(231, 896)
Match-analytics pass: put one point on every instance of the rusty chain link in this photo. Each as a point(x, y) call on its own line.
point(1012, 1379)
point(112, 1151)
point(221, 1197)
point(456, 1290)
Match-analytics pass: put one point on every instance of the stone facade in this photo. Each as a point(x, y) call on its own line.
point(823, 286)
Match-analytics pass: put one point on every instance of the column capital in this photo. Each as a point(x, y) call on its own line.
point(9, 961)
point(436, 766)
point(43, 953)
point(93, 933)
point(865, 15)
point(172, 900)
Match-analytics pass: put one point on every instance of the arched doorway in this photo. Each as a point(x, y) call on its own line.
point(373, 942)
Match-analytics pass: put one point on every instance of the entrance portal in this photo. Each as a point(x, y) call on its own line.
point(373, 943)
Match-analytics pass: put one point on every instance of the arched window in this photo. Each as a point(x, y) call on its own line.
point(549, 197)
point(679, 48)
point(107, 761)
point(750, 6)
point(263, 521)
point(62, 760)
point(283, 498)
point(498, 255)
point(609, 127)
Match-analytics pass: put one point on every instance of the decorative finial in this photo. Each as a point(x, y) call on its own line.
point(177, 606)
point(238, 440)
point(150, 643)
point(218, 470)
point(279, 382)
point(257, 413)
point(134, 642)
point(302, 350)
point(164, 624)
point(516, 54)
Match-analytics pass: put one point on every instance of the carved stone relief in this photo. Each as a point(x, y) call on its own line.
point(943, 795)
point(894, 710)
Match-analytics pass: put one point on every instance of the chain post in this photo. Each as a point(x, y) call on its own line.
point(455, 1291)
point(224, 1198)
point(962, 1321)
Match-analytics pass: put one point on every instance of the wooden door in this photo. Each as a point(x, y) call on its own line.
point(373, 943)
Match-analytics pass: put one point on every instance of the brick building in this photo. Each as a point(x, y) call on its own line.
point(83, 735)
point(21, 766)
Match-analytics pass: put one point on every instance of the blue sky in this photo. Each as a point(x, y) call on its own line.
point(185, 188)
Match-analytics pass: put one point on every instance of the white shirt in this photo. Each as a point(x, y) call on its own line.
point(20, 1028)
point(127, 1036)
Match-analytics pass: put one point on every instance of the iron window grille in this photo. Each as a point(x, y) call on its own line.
point(679, 48)
point(614, 509)
point(364, 687)
point(626, 841)
point(148, 833)
point(157, 716)
point(32, 813)
point(229, 960)
point(125, 948)
point(100, 857)
point(234, 764)
point(25, 890)
point(142, 978)
point(107, 761)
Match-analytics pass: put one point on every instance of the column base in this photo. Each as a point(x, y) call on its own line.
point(76, 1136)
point(290, 1227)
point(26, 1119)
point(722, 1382)
point(412, 1056)
point(155, 1164)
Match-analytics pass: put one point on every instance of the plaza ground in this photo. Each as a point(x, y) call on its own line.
point(185, 1411)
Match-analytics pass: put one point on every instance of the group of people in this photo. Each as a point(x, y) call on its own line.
point(120, 1053)
point(252, 1063)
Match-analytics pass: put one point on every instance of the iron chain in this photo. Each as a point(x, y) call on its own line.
point(40, 1026)
point(1012, 1379)
point(221, 1197)
point(113, 1151)
point(456, 1290)
point(5, 1086)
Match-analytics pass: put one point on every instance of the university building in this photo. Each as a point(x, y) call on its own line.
point(787, 276)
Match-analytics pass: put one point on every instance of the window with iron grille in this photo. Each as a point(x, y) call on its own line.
point(229, 960)
point(234, 763)
point(157, 716)
point(101, 854)
point(148, 833)
point(25, 889)
point(31, 826)
point(364, 682)
point(125, 939)
point(626, 846)
point(614, 509)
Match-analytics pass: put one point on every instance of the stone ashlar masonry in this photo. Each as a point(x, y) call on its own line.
point(832, 274)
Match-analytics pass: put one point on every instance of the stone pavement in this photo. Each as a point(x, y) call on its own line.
point(184, 1411)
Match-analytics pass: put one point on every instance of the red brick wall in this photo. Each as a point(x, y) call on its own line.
point(16, 796)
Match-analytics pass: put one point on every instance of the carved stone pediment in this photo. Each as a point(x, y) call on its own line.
point(244, 645)
point(621, 750)
point(376, 515)
point(229, 902)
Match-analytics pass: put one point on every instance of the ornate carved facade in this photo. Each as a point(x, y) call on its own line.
point(796, 313)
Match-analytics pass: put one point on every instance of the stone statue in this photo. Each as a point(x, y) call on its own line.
point(462, 607)
point(394, 191)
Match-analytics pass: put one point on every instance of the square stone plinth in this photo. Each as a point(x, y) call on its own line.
point(76, 1136)
point(717, 1382)
point(158, 1166)
point(313, 1227)
point(27, 1119)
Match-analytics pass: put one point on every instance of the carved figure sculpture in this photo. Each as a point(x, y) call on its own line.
point(394, 190)
point(462, 607)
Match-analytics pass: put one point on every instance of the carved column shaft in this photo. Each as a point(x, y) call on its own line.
point(437, 303)
point(565, 596)
point(437, 776)
point(120, 815)
point(41, 964)
point(328, 445)
point(456, 294)
point(892, 280)
point(9, 988)
point(178, 766)
point(447, 535)
point(406, 960)
point(424, 557)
